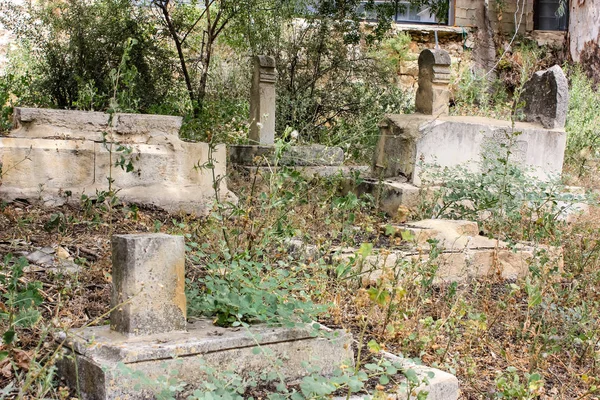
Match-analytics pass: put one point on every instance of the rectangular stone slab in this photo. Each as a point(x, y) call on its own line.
point(43, 164)
point(99, 356)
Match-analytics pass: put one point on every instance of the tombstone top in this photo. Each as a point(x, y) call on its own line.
point(438, 62)
point(434, 57)
point(265, 61)
point(546, 98)
point(433, 95)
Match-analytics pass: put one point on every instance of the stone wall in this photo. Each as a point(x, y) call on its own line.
point(55, 156)
point(469, 13)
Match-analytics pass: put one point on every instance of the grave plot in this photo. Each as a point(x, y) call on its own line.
point(409, 145)
point(56, 156)
point(149, 337)
point(260, 154)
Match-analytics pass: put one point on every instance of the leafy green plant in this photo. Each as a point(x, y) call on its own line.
point(21, 300)
point(503, 195)
point(250, 291)
point(72, 47)
point(583, 121)
point(510, 385)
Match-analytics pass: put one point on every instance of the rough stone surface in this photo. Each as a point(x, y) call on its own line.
point(312, 155)
point(433, 95)
point(409, 142)
point(546, 98)
point(464, 254)
point(442, 386)
point(262, 101)
point(148, 280)
point(54, 153)
point(48, 123)
point(147, 125)
point(98, 351)
point(390, 194)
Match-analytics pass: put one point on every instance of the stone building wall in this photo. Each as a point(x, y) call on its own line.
point(469, 13)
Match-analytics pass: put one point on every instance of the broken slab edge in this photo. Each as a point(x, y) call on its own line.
point(442, 386)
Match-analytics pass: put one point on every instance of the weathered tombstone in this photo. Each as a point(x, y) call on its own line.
point(65, 151)
point(148, 336)
point(546, 98)
point(148, 294)
point(433, 95)
point(262, 101)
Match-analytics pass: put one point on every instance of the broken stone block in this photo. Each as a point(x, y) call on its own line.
point(148, 294)
point(546, 98)
point(463, 253)
point(434, 384)
point(262, 101)
point(433, 95)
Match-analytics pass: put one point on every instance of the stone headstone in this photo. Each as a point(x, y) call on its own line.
point(148, 280)
point(262, 101)
point(433, 95)
point(546, 98)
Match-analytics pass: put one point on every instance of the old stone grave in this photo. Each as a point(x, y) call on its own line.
point(54, 156)
point(150, 337)
point(260, 153)
point(408, 143)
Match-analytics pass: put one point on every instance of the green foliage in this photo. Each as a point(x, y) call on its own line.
point(510, 385)
point(504, 196)
point(21, 300)
point(72, 47)
point(229, 385)
point(583, 124)
point(250, 291)
point(329, 88)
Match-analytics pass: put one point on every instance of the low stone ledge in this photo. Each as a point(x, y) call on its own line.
point(55, 156)
point(44, 123)
point(260, 156)
point(463, 253)
point(93, 355)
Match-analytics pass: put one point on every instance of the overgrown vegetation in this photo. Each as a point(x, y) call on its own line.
point(535, 336)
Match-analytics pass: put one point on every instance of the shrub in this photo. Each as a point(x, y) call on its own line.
point(74, 45)
point(583, 123)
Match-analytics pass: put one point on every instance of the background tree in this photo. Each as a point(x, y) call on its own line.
point(73, 45)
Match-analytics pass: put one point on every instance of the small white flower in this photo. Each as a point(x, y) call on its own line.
point(294, 134)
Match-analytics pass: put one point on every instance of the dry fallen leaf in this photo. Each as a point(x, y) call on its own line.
point(22, 358)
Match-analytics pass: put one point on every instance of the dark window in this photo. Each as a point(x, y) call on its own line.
point(548, 15)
